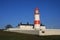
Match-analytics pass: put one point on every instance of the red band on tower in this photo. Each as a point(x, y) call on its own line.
point(37, 22)
point(36, 8)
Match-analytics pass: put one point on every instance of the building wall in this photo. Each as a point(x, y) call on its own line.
point(50, 32)
point(22, 27)
point(11, 29)
point(34, 32)
point(26, 27)
point(29, 30)
point(42, 28)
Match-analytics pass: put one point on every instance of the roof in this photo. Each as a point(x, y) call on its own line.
point(31, 24)
point(28, 24)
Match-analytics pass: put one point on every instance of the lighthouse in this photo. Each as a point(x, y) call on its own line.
point(36, 19)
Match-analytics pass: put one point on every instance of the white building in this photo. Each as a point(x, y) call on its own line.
point(26, 27)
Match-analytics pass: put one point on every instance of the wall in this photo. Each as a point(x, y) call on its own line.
point(29, 30)
point(50, 32)
point(26, 27)
point(34, 32)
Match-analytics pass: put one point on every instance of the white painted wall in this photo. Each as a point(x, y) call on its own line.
point(42, 28)
point(50, 32)
point(11, 29)
point(29, 30)
point(22, 27)
point(26, 27)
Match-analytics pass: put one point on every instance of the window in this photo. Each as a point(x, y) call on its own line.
point(43, 31)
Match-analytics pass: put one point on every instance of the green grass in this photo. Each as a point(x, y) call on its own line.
point(19, 36)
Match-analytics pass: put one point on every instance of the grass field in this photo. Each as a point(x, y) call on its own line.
point(19, 36)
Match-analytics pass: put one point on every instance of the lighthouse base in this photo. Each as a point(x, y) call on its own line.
point(37, 28)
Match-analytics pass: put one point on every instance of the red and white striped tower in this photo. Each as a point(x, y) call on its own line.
point(36, 19)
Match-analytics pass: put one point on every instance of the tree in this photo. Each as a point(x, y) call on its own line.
point(28, 23)
point(8, 26)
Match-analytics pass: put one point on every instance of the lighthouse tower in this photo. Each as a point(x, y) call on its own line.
point(36, 19)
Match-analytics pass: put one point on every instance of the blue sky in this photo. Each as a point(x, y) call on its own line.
point(16, 11)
